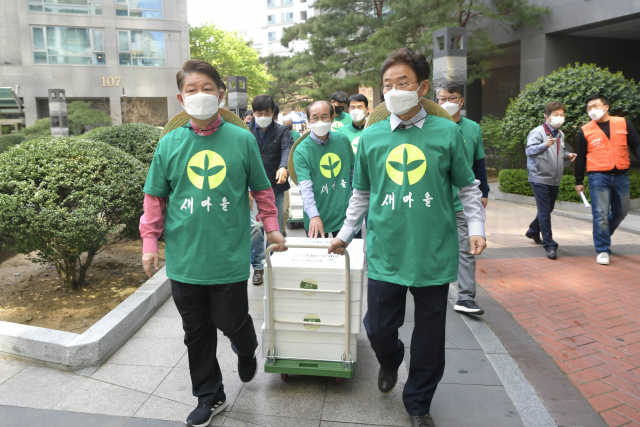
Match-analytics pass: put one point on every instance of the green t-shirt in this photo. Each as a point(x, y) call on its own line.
point(207, 224)
point(474, 148)
point(295, 135)
point(353, 134)
point(329, 168)
point(412, 238)
point(340, 120)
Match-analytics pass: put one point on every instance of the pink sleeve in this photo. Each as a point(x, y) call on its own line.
point(266, 201)
point(152, 222)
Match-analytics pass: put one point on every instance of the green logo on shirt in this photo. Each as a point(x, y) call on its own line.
point(406, 160)
point(330, 165)
point(354, 144)
point(206, 164)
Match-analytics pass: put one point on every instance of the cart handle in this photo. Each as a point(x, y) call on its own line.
point(347, 293)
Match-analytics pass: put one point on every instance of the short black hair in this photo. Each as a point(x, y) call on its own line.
point(199, 66)
point(417, 61)
point(315, 102)
point(359, 98)
point(453, 87)
point(276, 112)
point(339, 96)
point(553, 106)
point(599, 96)
point(248, 113)
point(263, 103)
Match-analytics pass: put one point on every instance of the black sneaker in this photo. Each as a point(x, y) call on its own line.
point(203, 414)
point(258, 277)
point(387, 380)
point(422, 421)
point(552, 254)
point(535, 237)
point(468, 306)
point(247, 368)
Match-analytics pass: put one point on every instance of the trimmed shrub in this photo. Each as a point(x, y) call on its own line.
point(8, 141)
point(514, 181)
point(61, 198)
point(137, 139)
point(42, 127)
point(501, 153)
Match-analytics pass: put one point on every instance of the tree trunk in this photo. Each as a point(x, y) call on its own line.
point(73, 271)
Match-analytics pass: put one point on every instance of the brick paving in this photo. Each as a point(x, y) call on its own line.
point(585, 316)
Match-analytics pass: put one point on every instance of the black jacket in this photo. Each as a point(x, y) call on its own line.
point(274, 152)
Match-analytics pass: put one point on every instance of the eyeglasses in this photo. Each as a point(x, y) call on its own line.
point(324, 118)
point(453, 99)
point(401, 86)
point(596, 106)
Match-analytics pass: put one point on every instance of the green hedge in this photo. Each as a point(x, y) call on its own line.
point(516, 181)
point(8, 141)
point(137, 139)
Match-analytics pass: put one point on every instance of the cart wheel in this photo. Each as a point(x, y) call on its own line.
point(284, 377)
point(339, 380)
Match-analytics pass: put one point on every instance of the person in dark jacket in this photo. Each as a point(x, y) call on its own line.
point(546, 153)
point(274, 142)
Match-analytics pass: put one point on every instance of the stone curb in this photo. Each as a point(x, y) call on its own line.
point(531, 409)
point(75, 352)
point(565, 206)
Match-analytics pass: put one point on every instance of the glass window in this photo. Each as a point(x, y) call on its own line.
point(258, 47)
point(271, 19)
point(286, 2)
point(82, 7)
point(303, 15)
point(272, 38)
point(62, 45)
point(147, 48)
point(98, 43)
point(271, 3)
point(271, 47)
point(38, 38)
point(289, 17)
point(139, 8)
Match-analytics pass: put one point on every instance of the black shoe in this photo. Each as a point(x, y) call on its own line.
point(258, 277)
point(203, 414)
point(468, 306)
point(422, 421)
point(247, 368)
point(552, 254)
point(535, 237)
point(387, 380)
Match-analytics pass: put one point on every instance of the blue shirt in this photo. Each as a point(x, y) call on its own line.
point(263, 136)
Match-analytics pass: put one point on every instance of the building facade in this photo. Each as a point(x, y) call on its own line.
point(605, 33)
point(101, 51)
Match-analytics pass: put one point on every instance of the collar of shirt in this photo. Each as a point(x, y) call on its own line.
point(261, 134)
point(358, 127)
point(318, 140)
point(209, 130)
point(549, 131)
point(417, 120)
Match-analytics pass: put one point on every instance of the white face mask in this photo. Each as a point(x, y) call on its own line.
point(556, 121)
point(451, 107)
point(201, 106)
point(320, 128)
point(263, 122)
point(399, 102)
point(357, 115)
point(596, 114)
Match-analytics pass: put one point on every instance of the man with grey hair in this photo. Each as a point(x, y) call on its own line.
point(451, 98)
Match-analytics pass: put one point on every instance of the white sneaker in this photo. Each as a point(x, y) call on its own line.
point(603, 258)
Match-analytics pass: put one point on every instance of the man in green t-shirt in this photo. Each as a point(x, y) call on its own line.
point(339, 103)
point(451, 98)
point(323, 163)
point(358, 105)
point(288, 123)
point(405, 168)
point(197, 190)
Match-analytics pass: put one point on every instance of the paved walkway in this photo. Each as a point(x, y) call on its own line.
point(585, 316)
point(147, 380)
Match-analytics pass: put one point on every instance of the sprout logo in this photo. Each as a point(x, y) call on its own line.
point(206, 164)
point(336, 125)
point(406, 161)
point(308, 284)
point(312, 318)
point(330, 165)
point(354, 144)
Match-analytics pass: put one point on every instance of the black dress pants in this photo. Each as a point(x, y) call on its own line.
point(385, 315)
point(205, 308)
point(545, 196)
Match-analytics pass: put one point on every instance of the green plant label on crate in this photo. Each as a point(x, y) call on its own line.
point(308, 284)
point(312, 318)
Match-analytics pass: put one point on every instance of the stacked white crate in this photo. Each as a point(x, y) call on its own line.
point(296, 210)
point(306, 268)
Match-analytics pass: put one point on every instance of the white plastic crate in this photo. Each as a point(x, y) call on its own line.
point(308, 345)
point(325, 311)
point(315, 269)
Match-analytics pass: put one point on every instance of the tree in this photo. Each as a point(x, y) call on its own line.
point(63, 199)
point(349, 41)
point(230, 54)
point(42, 127)
point(140, 111)
point(137, 139)
point(570, 85)
point(80, 114)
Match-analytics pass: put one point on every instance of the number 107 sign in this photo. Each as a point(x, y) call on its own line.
point(111, 81)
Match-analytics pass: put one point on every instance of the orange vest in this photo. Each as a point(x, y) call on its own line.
point(604, 154)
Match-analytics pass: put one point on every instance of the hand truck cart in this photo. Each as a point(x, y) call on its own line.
point(284, 366)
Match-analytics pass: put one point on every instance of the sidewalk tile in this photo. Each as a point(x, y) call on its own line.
point(603, 402)
point(627, 398)
point(9, 368)
point(158, 408)
point(613, 419)
point(149, 352)
point(585, 362)
point(620, 373)
point(629, 412)
point(38, 387)
point(140, 378)
point(588, 375)
point(177, 387)
point(595, 388)
point(237, 419)
point(97, 397)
